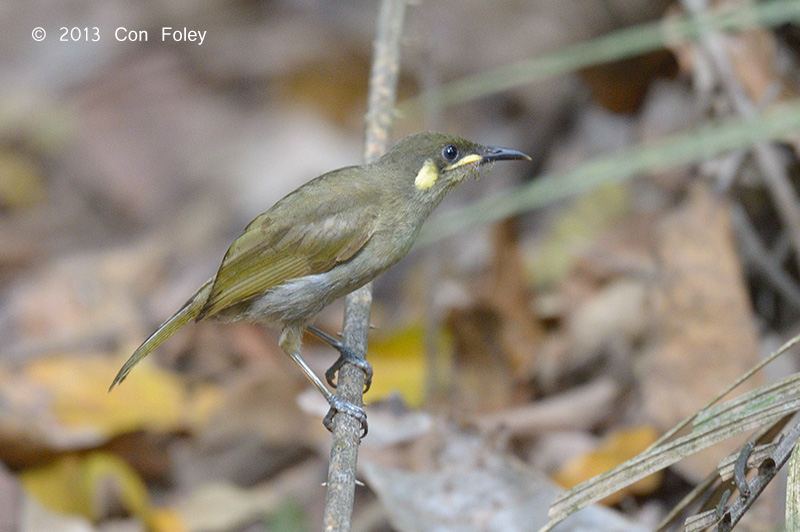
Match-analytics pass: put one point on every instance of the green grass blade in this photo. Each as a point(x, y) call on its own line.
point(702, 143)
point(618, 45)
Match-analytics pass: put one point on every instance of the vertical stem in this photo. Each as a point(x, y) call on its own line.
point(347, 430)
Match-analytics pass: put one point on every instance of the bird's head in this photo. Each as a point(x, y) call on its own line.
point(435, 162)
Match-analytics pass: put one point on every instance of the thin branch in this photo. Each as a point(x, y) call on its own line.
point(347, 430)
point(762, 260)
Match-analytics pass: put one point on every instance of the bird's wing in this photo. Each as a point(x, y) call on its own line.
point(272, 250)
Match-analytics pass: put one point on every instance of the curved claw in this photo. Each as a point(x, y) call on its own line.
point(347, 356)
point(341, 406)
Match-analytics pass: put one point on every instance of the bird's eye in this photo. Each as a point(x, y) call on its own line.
point(450, 153)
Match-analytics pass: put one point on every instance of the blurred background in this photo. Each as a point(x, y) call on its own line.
point(510, 357)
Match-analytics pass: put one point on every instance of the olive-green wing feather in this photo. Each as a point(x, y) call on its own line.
point(272, 250)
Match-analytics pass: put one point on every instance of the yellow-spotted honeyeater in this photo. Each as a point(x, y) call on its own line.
point(327, 238)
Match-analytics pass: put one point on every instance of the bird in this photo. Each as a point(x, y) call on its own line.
point(325, 239)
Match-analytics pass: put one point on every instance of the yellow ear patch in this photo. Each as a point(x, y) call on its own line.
point(427, 175)
point(469, 159)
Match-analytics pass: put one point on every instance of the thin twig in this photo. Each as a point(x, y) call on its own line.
point(350, 383)
point(762, 260)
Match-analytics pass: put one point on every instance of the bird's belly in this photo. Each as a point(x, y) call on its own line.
point(296, 300)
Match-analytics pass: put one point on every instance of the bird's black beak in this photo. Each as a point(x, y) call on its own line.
point(491, 153)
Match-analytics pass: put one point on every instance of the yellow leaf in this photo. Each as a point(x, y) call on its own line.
point(55, 485)
point(163, 520)
point(93, 486)
point(152, 399)
point(106, 477)
point(613, 450)
point(398, 359)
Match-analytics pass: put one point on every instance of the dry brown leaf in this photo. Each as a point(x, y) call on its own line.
point(615, 315)
point(509, 293)
point(604, 302)
point(221, 506)
point(334, 86)
point(703, 324)
point(575, 229)
point(483, 375)
point(257, 429)
point(621, 86)
point(752, 54)
point(81, 300)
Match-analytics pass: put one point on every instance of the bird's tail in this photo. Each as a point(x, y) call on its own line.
point(188, 312)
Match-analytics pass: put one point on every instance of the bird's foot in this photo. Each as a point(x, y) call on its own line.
point(339, 406)
point(348, 356)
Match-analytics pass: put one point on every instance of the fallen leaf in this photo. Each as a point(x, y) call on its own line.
point(509, 293)
point(221, 506)
point(475, 489)
point(152, 399)
point(621, 86)
point(705, 330)
point(484, 376)
point(398, 361)
point(167, 520)
point(616, 312)
point(62, 403)
point(94, 486)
